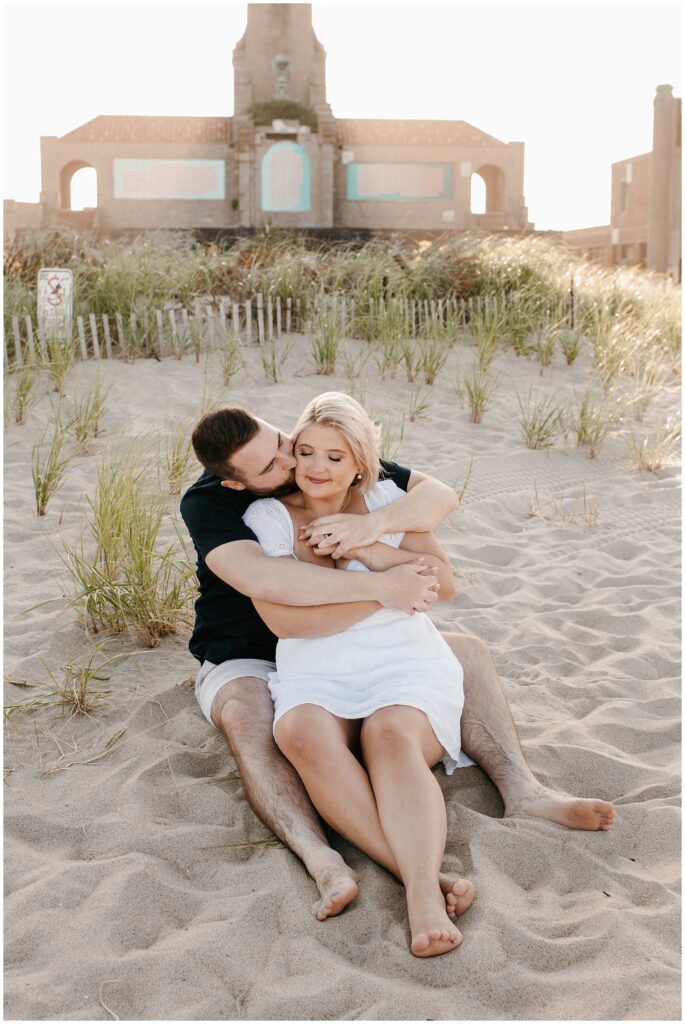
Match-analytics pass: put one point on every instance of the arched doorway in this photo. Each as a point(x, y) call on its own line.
point(492, 178)
point(286, 178)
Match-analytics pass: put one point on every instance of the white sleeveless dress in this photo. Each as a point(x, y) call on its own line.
point(386, 659)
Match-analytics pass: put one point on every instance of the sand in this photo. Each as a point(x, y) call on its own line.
point(123, 896)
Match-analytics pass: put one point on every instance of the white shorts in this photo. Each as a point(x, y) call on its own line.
point(211, 678)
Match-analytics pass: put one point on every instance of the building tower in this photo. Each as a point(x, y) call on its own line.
point(283, 169)
point(664, 193)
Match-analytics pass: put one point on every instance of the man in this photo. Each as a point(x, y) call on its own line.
point(244, 458)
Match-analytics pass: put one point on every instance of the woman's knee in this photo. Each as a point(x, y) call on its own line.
point(390, 731)
point(301, 735)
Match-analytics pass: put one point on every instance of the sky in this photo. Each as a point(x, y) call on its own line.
point(575, 82)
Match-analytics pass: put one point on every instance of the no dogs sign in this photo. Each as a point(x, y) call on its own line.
point(55, 292)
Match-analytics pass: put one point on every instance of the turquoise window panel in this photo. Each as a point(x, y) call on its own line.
point(286, 179)
point(169, 179)
point(404, 182)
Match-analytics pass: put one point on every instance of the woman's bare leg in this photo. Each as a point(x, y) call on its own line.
point(400, 749)
point(318, 745)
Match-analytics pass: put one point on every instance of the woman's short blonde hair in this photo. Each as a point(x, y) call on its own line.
point(336, 409)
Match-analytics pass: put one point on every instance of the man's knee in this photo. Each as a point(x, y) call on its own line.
point(469, 650)
point(243, 711)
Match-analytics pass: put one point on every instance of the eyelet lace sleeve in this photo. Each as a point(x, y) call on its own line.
point(270, 521)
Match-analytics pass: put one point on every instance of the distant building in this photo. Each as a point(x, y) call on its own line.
point(283, 158)
point(645, 228)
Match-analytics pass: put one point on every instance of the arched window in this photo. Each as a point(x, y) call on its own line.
point(477, 194)
point(286, 179)
point(84, 189)
point(78, 186)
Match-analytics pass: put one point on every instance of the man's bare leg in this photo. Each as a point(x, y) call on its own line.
point(489, 736)
point(244, 714)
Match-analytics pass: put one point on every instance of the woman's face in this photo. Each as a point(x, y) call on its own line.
point(325, 463)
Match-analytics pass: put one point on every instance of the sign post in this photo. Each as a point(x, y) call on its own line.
point(55, 299)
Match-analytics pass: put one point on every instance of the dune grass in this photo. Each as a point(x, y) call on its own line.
point(542, 420)
point(83, 415)
point(649, 451)
point(23, 393)
point(48, 469)
point(128, 577)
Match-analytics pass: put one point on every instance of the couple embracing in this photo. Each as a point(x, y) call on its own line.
point(314, 540)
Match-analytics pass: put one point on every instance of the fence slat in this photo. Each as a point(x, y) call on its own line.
point(248, 320)
point(174, 331)
point(222, 318)
point(28, 323)
point(82, 338)
point(269, 319)
point(134, 330)
point(160, 332)
point(235, 317)
point(185, 320)
point(120, 333)
point(260, 318)
point(94, 335)
point(278, 317)
point(17, 342)
point(288, 314)
point(108, 336)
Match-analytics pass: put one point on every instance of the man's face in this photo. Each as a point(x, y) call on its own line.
point(266, 463)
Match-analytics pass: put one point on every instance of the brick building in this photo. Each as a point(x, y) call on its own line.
point(281, 157)
point(645, 227)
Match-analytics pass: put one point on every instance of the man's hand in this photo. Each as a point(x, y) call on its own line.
point(410, 588)
point(338, 535)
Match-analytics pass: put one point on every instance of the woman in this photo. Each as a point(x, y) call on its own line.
point(388, 685)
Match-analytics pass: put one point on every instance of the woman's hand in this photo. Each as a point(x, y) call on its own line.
point(341, 534)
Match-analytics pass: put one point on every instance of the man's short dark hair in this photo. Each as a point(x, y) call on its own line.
point(218, 435)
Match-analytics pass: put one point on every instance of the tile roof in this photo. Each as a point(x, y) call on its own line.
point(153, 129)
point(412, 133)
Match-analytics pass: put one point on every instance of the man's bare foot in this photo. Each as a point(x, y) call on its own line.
point(590, 815)
point(336, 884)
point(432, 932)
point(459, 894)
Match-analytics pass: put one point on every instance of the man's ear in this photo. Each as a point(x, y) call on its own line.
point(234, 485)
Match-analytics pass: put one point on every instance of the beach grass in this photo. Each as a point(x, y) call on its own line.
point(23, 394)
point(542, 420)
point(649, 451)
point(48, 470)
point(84, 414)
point(477, 387)
point(131, 579)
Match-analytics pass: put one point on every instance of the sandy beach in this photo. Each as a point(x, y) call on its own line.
point(139, 883)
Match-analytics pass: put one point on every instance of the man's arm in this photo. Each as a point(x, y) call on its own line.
point(321, 620)
point(243, 565)
point(426, 504)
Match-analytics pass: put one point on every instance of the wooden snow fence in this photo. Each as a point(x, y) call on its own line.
point(213, 325)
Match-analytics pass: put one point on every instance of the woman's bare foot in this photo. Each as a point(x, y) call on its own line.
point(590, 815)
point(459, 894)
point(336, 884)
point(432, 932)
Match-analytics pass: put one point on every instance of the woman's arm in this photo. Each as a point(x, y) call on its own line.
point(379, 557)
point(425, 505)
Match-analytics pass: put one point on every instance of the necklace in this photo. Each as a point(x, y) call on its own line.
point(345, 503)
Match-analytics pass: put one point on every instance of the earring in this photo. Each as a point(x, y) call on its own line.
point(359, 476)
